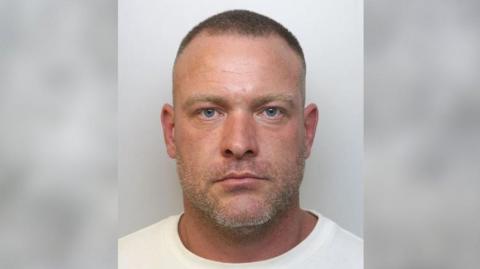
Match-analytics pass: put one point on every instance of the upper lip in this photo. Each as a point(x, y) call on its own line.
point(237, 175)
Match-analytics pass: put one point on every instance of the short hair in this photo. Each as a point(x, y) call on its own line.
point(243, 22)
point(246, 23)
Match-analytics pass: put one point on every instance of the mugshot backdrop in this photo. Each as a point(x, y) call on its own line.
point(331, 34)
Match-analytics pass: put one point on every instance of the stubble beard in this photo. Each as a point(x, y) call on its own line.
point(286, 178)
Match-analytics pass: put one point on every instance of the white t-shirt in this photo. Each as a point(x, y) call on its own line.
point(159, 246)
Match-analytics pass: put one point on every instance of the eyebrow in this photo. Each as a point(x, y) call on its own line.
point(262, 100)
point(204, 98)
point(287, 98)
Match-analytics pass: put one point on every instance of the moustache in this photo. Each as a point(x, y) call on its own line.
point(257, 170)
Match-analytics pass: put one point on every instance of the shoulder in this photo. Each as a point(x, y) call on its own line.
point(335, 247)
point(350, 245)
point(150, 233)
point(139, 248)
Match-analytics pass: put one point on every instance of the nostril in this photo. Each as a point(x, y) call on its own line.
point(248, 152)
point(228, 152)
point(238, 154)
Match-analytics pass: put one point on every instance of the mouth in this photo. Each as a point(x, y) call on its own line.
point(236, 182)
point(240, 177)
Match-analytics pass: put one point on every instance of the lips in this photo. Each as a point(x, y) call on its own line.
point(240, 176)
point(240, 182)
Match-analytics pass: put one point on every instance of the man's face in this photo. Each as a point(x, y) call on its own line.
point(238, 127)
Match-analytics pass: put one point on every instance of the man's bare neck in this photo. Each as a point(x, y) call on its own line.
point(208, 240)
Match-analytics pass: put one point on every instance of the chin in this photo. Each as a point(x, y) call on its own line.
point(243, 212)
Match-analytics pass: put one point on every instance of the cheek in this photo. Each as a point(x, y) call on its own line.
point(284, 142)
point(194, 145)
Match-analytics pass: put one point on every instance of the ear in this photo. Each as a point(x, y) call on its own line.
point(310, 124)
point(168, 124)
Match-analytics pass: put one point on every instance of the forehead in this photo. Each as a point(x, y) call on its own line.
point(234, 64)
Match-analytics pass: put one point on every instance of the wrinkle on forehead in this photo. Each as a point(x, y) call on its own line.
point(237, 59)
point(289, 99)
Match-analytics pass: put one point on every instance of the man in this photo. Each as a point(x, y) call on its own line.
point(240, 133)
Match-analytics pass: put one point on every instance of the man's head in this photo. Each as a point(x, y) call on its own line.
point(248, 24)
point(238, 128)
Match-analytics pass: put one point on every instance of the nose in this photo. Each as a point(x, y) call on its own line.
point(239, 139)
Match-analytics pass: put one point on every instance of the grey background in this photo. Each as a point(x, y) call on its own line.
point(58, 178)
point(422, 123)
point(58, 133)
point(331, 33)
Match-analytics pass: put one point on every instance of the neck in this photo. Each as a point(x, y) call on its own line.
point(207, 239)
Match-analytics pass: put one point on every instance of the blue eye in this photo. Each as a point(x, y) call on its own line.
point(272, 112)
point(208, 113)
